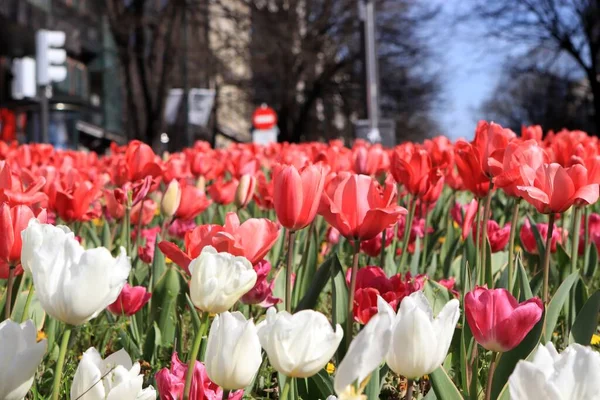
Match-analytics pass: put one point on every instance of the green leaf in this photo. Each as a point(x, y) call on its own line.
point(586, 322)
point(93, 236)
point(340, 304)
point(592, 265)
point(414, 261)
point(390, 263)
point(437, 295)
point(35, 313)
point(106, 235)
point(167, 295)
point(450, 257)
point(319, 386)
point(526, 293)
point(319, 281)
point(508, 361)
point(158, 264)
point(152, 343)
point(557, 302)
point(308, 267)
point(538, 238)
point(443, 386)
point(195, 319)
point(279, 287)
point(376, 381)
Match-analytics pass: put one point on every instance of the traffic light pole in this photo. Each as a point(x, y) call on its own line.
point(44, 114)
point(372, 71)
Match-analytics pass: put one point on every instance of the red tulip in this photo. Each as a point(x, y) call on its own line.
point(115, 205)
point(14, 190)
point(264, 193)
point(497, 236)
point(193, 202)
point(145, 210)
point(296, 194)
point(415, 172)
point(532, 132)
point(369, 159)
point(222, 192)
point(498, 322)
point(516, 155)
point(528, 238)
point(12, 221)
point(252, 239)
point(358, 207)
point(372, 247)
point(146, 251)
point(171, 382)
point(130, 300)
point(449, 284)
point(141, 161)
point(371, 282)
point(262, 292)
point(552, 188)
point(74, 202)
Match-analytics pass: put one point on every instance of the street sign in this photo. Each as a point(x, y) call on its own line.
point(386, 134)
point(200, 104)
point(264, 118)
point(50, 56)
point(265, 136)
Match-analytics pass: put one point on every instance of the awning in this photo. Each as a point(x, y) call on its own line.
point(98, 132)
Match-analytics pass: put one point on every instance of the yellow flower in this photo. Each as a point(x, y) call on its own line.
point(41, 336)
point(97, 222)
point(330, 368)
point(517, 248)
point(168, 260)
point(455, 224)
point(595, 339)
point(157, 212)
point(442, 239)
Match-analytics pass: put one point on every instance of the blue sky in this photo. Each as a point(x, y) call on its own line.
point(470, 69)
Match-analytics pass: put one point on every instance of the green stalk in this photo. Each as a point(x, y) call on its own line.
point(194, 354)
point(586, 238)
point(286, 388)
point(574, 259)
point(382, 258)
point(61, 362)
point(477, 246)
point(547, 256)
point(409, 389)
point(407, 228)
point(425, 241)
point(350, 319)
point(484, 239)
point(27, 302)
point(511, 243)
point(488, 389)
point(288, 271)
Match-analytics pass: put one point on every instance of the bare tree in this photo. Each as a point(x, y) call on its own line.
point(545, 99)
point(146, 36)
point(549, 32)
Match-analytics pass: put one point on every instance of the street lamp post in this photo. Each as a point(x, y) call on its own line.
point(372, 70)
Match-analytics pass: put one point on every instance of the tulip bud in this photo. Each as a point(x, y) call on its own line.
point(78, 268)
point(130, 300)
point(298, 345)
point(114, 377)
point(171, 199)
point(233, 353)
point(420, 342)
point(218, 280)
point(245, 190)
point(20, 356)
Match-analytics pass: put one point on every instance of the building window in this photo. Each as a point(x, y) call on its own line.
point(77, 81)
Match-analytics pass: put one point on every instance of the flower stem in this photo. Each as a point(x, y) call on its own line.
point(61, 362)
point(225, 394)
point(511, 243)
point(383, 239)
point(288, 271)
point(547, 256)
point(194, 354)
point(484, 239)
point(586, 238)
point(488, 389)
point(9, 289)
point(407, 229)
point(409, 389)
point(350, 319)
point(27, 302)
point(286, 388)
point(574, 259)
point(425, 241)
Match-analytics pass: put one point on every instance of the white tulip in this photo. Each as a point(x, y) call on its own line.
point(233, 353)
point(367, 350)
point(72, 284)
point(572, 374)
point(420, 342)
point(114, 378)
point(20, 356)
point(298, 345)
point(218, 280)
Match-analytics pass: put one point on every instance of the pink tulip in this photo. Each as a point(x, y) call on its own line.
point(130, 300)
point(528, 238)
point(171, 382)
point(498, 322)
point(262, 292)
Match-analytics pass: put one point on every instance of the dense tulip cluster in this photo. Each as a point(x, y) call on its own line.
point(313, 271)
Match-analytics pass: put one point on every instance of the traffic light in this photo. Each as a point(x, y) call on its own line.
point(50, 56)
point(23, 82)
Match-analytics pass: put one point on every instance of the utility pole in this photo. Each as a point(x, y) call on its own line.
point(184, 74)
point(372, 71)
